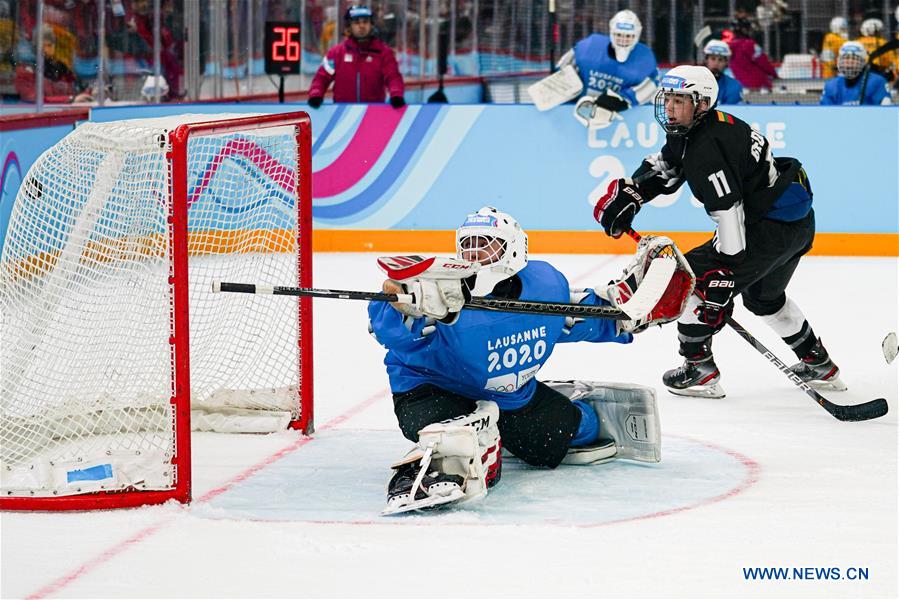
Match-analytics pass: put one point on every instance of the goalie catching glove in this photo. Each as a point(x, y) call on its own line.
point(435, 284)
point(616, 209)
point(655, 286)
point(598, 112)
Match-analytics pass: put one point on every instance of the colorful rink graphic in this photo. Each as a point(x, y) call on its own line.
point(394, 173)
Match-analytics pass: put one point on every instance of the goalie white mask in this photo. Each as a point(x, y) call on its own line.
point(624, 30)
point(851, 59)
point(496, 241)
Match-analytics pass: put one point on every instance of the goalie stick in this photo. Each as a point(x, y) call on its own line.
point(854, 412)
point(478, 303)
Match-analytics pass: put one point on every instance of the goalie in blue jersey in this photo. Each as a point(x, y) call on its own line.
point(464, 381)
point(618, 71)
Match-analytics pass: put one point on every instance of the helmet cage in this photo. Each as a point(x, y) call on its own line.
point(483, 249)
point(850, 64)
point(662, 115)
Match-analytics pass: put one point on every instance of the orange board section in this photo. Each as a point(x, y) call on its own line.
point(576, 242)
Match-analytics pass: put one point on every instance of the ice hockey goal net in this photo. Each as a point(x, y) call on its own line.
point(112, 341)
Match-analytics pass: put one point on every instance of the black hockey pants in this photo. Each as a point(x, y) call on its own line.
point(773, 250)
point(538, 433)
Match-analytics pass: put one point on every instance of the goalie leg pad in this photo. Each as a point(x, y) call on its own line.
point(627, 413)
point(456, 460)
point(468, 446)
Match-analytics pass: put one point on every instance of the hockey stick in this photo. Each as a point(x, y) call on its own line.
point(893, 44)
point(854, 412)
point(531, 307)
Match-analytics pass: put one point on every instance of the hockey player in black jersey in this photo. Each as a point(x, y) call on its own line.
point(762, 207)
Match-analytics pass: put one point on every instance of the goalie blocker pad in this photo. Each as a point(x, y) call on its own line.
point(627, 413)
point(558, 88)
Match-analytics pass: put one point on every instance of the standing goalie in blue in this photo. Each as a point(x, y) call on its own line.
point(464, 381)
point(846, 87)
point(618, 71)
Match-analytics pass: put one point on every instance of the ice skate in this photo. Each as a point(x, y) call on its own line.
point(434, 489)
point(599, 452)
point(818, 370)
point(698, 376)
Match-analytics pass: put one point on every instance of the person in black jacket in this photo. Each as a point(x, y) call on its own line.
point(762, 207)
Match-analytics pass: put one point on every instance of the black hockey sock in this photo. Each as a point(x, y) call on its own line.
point(696, 350)
point(803, 341)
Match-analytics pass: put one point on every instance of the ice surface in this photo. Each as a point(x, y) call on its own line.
point(762, 478)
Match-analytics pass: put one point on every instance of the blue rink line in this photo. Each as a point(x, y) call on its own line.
point(342, 477)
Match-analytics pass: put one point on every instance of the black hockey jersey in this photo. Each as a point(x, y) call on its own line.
point(730, 170)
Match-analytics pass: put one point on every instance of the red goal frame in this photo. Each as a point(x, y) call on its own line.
point(179, 313)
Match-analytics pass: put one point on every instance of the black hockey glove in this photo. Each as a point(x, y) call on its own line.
point(617, 208)
point(611, 101)
point(716, 288)
point(315, 101)
point(397, 101)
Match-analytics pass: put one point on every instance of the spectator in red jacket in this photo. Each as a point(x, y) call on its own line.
point(748, 62)
point(361, 67)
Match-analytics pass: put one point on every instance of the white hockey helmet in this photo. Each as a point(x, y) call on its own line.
point(717, 48)
point(839, 26)
point(495, 240)
point(852, 59)
point(624, 30)
point(698, 83)
point(871, 27)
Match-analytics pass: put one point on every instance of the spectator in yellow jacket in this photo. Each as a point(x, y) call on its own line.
point(833, 41)
point(872, 39)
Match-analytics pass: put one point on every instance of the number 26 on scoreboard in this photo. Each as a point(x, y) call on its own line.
point(283, 48)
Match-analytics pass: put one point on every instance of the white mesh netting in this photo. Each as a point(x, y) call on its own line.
point(85, 298)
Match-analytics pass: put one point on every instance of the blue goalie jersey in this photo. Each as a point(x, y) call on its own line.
point(600, 72)
point(837, 92)
point(486, 355)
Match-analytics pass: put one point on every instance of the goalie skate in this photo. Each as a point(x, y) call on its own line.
point(431, 490)
point(600, 452)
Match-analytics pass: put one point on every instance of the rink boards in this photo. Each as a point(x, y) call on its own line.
point(388, 180)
